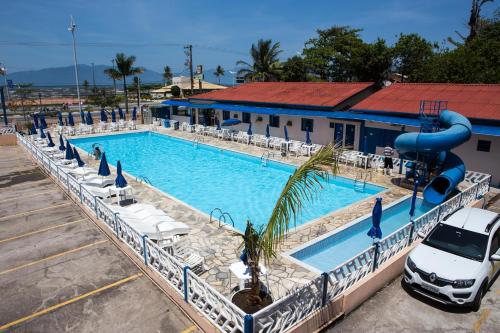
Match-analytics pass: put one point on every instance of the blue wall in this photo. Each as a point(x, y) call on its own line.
point(377, 137)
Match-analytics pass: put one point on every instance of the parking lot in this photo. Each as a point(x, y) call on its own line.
point(60, 273)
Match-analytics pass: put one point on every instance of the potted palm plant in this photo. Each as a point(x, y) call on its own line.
point(264, 242)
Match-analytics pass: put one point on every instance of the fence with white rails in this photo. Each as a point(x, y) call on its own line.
point(282, 314)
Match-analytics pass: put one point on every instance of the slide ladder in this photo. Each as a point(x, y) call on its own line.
point(264, 159)
point(360, 181)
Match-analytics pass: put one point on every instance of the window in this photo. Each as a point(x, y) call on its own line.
point(226, 115)
point(180, 111)
point(245, 118)
point(307, 124)
point(483, 145)
point(274, 121)
point(495, 243)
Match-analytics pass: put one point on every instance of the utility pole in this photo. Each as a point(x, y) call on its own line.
point(4, 70)
point(40, 100)
point(72, 28)
point(114, 81)
point(4, 109)
point(93, 77)
point(189, 53)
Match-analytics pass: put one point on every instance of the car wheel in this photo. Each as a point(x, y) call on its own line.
point(476, 304)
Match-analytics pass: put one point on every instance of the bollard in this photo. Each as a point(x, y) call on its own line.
point(248, 324)
point(144, 249)
point(325, 288)
point(185, 284)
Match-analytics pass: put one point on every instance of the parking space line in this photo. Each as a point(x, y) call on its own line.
point(70, 301)
point(482, 318)
point(190, 329)
point(34, 211)
point(39, 231)
point(32, 195)
point(52, 257)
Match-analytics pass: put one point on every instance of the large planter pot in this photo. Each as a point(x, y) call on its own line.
point(244, 300)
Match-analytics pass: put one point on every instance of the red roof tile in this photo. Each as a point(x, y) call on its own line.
point(327, 94)
point(480, 101)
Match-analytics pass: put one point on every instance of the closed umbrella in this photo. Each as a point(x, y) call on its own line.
point(120, 113)
point(113, 116)
point(413, 199)
point(78, 158)
point(375, 231)
point(33, 130)
point(69, 151)
point(249, 132)
point(134, 113)
point(61, 143)
point(42, 133)
point(89, 119)
point(120, 181)
point(82, 117)
point(268, 135)
point(103, 167)
point(35, 120)
point(286, 133)
point(60, 118)
point(217, 123)
point(104, 117)
point(49, 138)
point(43, 123)
point(71, 121)
point(308, 137)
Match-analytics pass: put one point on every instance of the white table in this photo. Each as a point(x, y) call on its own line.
point(309, 148)
point(242, 272)
point(363, 160)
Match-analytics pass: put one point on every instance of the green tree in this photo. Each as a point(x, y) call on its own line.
point(329, 55)
point(124, 67)
point(412, 54)
point(167, 75)
point(294, 69)
point(103, 98)
point(372, 62)
point(219, 71)
point(175, 91)
point(265, 62)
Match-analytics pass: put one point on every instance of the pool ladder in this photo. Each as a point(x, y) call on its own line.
point(197, 140)
point(360, 181)
point(264, 159)
point(222, 217)
point(143, 179)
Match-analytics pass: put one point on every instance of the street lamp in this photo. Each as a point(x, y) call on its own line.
point(72, 28)
point(4, 71)
point(234, 77)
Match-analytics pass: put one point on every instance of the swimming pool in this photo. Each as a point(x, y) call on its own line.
point(207, 177)
point(329, 251)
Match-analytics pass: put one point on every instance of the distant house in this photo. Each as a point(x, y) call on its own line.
point(184, 83)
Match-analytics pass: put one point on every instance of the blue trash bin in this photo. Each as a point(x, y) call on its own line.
point(166, 123)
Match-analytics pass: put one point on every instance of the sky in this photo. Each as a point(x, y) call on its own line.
point(221, 31)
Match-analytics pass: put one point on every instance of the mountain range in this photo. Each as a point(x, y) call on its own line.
point(65, 76)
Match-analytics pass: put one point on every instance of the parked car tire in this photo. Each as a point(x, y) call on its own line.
point(476, 305)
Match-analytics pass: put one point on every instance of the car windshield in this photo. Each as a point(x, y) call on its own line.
point(461, 242)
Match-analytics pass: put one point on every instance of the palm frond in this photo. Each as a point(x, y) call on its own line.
point(301, 187)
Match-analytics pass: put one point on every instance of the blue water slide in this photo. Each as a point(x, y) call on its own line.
point(457, 129)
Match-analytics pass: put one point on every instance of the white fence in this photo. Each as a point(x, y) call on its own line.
point(283, 313)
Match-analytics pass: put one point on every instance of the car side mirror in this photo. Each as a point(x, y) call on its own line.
point(420, 234)
point(495, 257)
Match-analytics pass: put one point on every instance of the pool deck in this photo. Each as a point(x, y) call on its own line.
point(219, 246)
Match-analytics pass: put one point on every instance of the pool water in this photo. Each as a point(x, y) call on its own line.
point(206, 177)
point(335, 249)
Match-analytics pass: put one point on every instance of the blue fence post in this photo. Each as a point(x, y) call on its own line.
point(116, 225)
point(95, 207)
point(186, 269)
point(400, 166)
point(412, 230)
point(81, 196)
point(248, 324)
point(325, 288)
point(375, 256)
point(144, 249)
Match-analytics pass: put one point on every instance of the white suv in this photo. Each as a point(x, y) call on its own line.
point(459, 260)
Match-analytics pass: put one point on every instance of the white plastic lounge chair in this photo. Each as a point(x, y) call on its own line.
point(98, 181)
point(188, 257)
point(296, 148)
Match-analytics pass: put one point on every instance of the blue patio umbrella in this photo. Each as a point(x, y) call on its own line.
point(308, 137)
point(43, 123)
point(89, 119)
point(69, 151)
point(59, 118)
point(217, 123)
point(413, 199)
point(249, 132)
point(375, 231)
point(268, 135)
point(286, 133)
point(78, 158)
point(120, 181)
point(71, 121)
point(82, 117)
point(49, 138)
point(42, 134)
point(113, 116)
point(35, 120)
point(61, 143)
point(134, 113)
point(231, 122)
point(120, 113)
point(103, 167)
point(104, 117)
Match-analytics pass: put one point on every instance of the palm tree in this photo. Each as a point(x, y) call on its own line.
point(300, 188)
point(124, 68)
point(167, 75)
point(219, 71)
point(265, 59)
